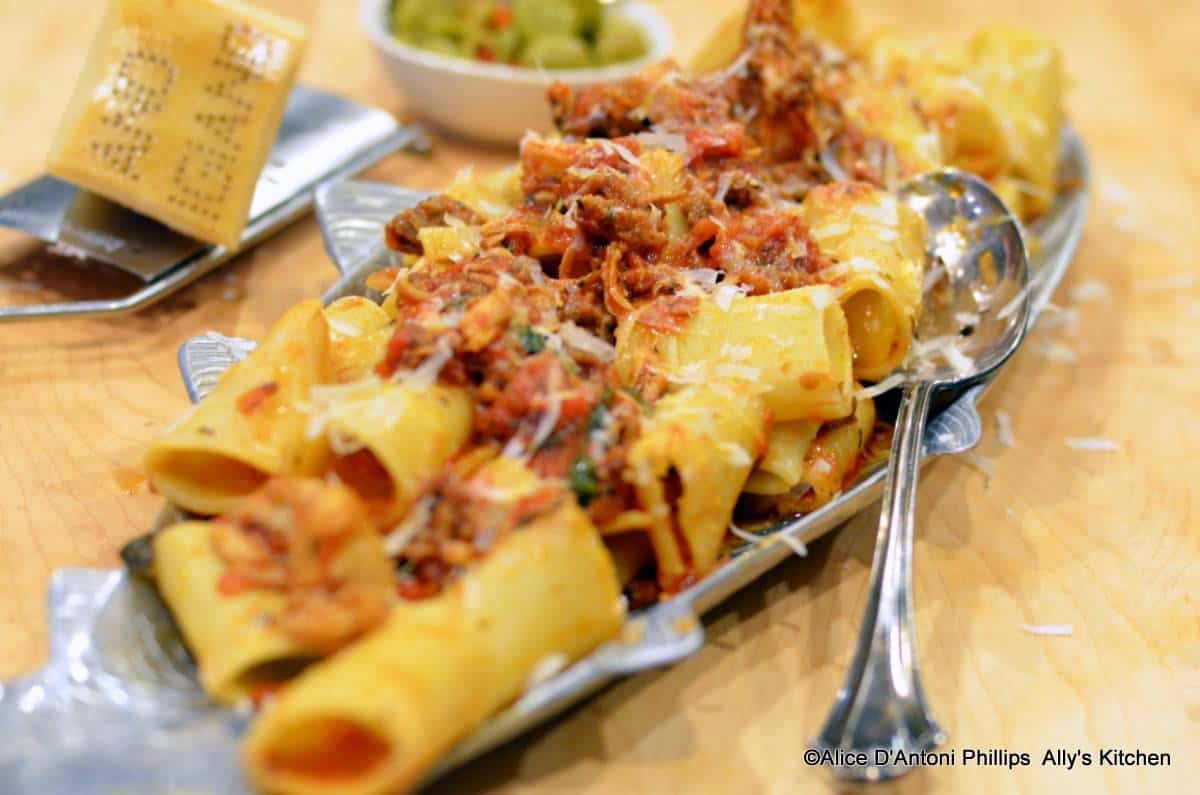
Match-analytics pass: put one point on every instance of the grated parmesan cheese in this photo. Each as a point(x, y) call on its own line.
point(586, 342)
point(725, 293)
point(672, 142)
point(703, 276)
point(1091, 444)
point(967, 318)
point(1091, 290)
point(780, 536)
point(1065, 319)
point(863, 264)
point(891, 382)
point(325, 402)
point(399, 537)
point(1062, 630)
point(822, 297)
point(822, 466)
point(936, 274)
point(830, 230)
point(723, 185)
point(426, 373)
point(541, 433)
point(621, 151)
point(947, 347)
point(886, 212)
point(736, 352)
point(742, 371)
point(1004, 429)
point(343, 328)
point(737, 455)
point(980, 462)
point(1054, 351)
point(829, 162)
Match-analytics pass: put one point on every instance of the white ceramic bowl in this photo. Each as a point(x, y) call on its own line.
point(495, 102)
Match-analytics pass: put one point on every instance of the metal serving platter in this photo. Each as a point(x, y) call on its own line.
point(118, 708)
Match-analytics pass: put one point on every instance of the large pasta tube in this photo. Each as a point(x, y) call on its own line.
point(491, 195)
point(359, 333)
point(878, 248)
point(1021, 76)
point(389, 439)
point(832, 458)
point(251, 426)
point(829, 20)
point(793, 345)
point(782, 467)
point(688, 468)
point(374, 718)
point(885, 111)
point(235, 638)
point(971, 132)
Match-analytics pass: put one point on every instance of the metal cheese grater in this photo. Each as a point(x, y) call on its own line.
point(322, 137)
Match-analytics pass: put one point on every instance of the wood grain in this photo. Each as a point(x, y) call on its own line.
point(1107, 543)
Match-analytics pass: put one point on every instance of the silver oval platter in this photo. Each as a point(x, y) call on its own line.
point(118, 710)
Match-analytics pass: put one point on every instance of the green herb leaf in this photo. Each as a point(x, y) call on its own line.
point(582, 480)
point(533, 340)
point(598, 417)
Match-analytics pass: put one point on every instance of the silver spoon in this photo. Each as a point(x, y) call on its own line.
point(980, 308)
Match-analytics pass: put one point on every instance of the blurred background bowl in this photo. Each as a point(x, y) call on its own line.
point(495, 103)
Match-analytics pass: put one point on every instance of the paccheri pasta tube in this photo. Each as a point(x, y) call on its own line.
point(295, 572)
point(372, 429)
point(877, 246)
point(689, 467)
point(233, 637)
point(373, 718)
point(782, 467)
point(794, 344)
point(252, 426)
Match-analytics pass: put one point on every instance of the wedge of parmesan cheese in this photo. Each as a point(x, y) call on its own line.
point(177, 109)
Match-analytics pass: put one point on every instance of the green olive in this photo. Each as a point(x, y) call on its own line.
point(443, 46)
point(541, 17)
point(589, 12)
point(555, 51)
point(410, 18)
point(619, 40)
point(550, 34)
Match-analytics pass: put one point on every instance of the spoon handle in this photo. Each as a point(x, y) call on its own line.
point(881, 708)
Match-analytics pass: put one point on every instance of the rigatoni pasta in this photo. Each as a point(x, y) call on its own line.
point(584, 369)
point(689, 466)
point(876, 247)
point(252, 426)
point(793, 344)
point(233, 637)
point(375, 717)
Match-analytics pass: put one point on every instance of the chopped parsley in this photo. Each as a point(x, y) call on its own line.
point(533, 340)
point(582, 480)
point(598, 417)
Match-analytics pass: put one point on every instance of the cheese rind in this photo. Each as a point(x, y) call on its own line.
point(177, 108)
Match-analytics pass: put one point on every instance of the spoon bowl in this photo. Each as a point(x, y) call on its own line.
point(974, 315)
point(978, 277)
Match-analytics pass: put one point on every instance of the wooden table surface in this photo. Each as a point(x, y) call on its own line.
point(1105, 542)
